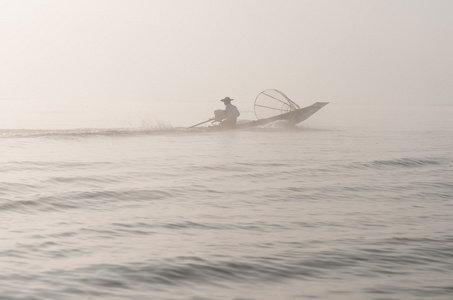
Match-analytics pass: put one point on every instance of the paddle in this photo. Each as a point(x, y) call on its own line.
point(200, 123)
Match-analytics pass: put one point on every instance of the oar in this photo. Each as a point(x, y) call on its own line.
point(200, 123)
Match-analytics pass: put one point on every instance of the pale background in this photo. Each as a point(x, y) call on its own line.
point(115, 63)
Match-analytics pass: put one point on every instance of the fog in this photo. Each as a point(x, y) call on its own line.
point(113, 63)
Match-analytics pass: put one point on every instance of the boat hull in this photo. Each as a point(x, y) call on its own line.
point(293, 117)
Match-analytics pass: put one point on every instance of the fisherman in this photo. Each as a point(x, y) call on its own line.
point(230, 115)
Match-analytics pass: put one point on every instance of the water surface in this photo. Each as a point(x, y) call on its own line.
point(266, 213)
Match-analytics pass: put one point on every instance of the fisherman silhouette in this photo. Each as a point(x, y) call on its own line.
point(227, 117)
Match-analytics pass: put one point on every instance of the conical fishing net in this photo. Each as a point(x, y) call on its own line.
point(270, 103)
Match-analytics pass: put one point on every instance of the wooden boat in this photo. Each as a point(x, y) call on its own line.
point(270, 106)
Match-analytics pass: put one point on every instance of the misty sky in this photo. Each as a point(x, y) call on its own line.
point(83, 52)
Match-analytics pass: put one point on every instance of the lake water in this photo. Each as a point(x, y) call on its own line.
point(328, 210)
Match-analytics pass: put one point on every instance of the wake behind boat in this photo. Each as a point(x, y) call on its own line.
point(270, 105)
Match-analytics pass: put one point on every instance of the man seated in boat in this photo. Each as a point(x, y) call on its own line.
point(227, 117)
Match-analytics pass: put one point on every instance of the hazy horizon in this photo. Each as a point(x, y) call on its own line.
point(138, 57)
